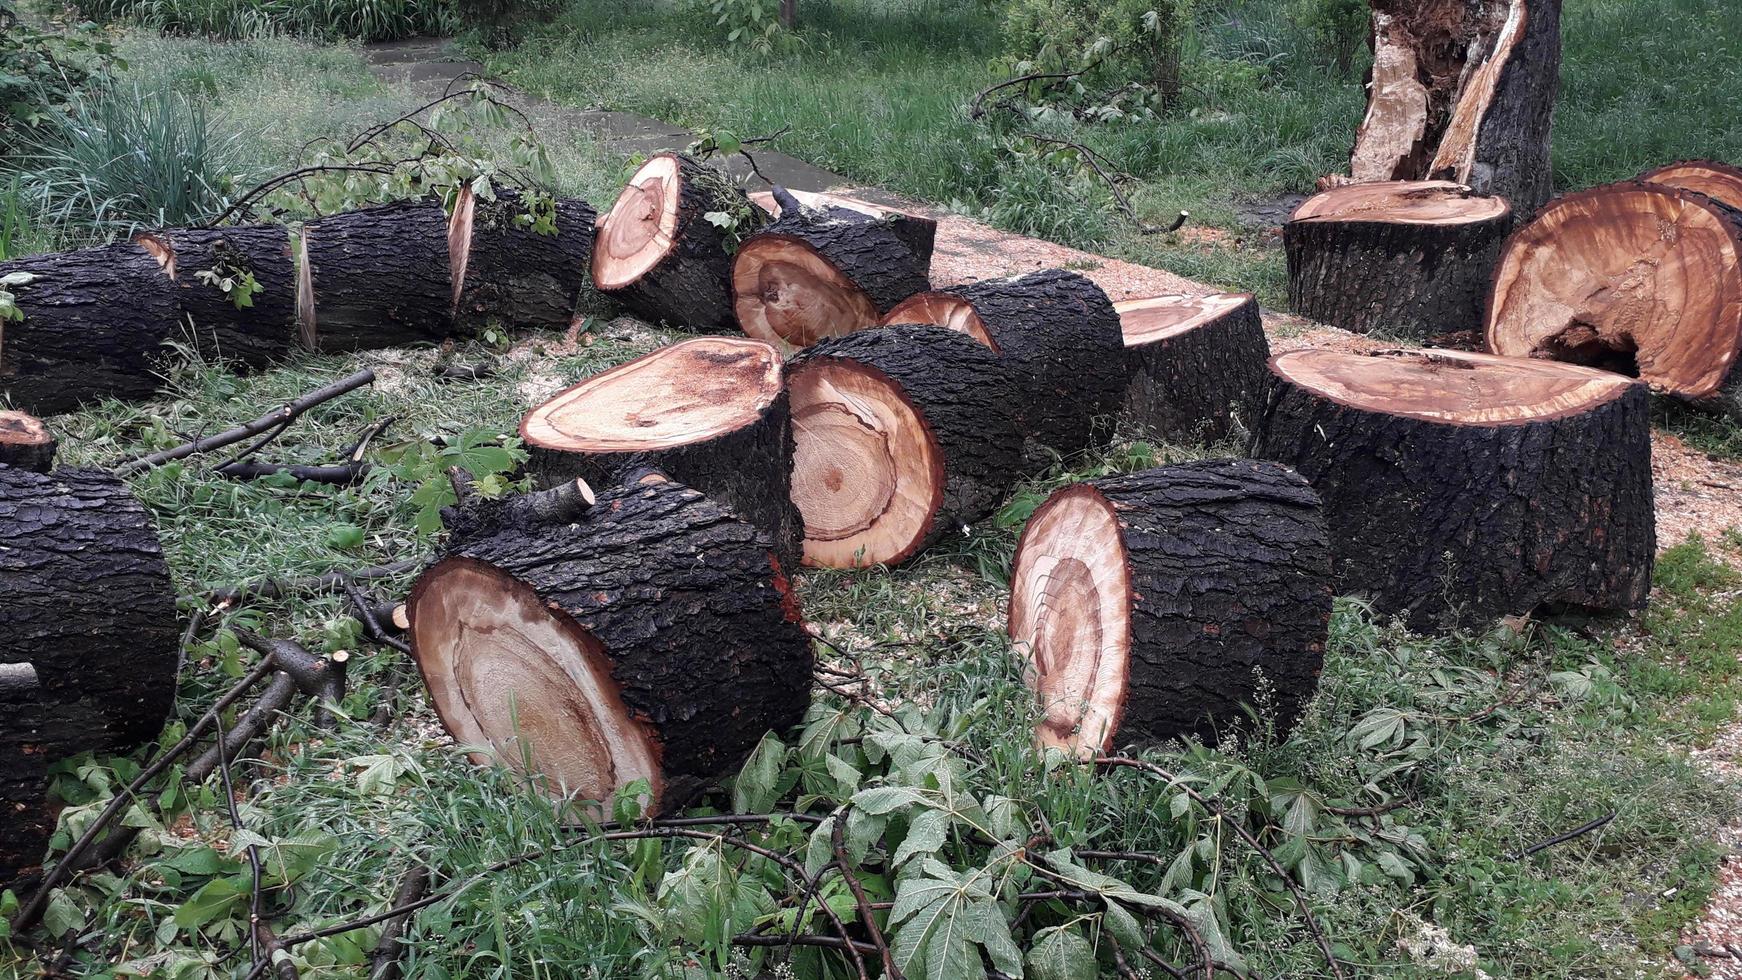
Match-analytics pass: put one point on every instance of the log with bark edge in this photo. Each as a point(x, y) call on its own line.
point(377, 277)
point(824, 272)
point(918, 231)
point(25, 442)
point(1463, 90)
point(95, 324)
point(506, 271)
point(1412, 257)
point(1463, 487)
point(88, 603)
point(647, 635)
point(1057, 334)
point(900, 435)
point(1642, 279)
point(1718, 181)
point(1197, 365)
point(26, 819)
point(257, 334)
point(711, 412)
point(657, 253)
point(1160, 603)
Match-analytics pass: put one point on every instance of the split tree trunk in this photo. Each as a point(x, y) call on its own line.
point(817, 273)
point(95, 322)
point(657, 253)
point(646, 636)
point(26, 443)
point(712, 413)
point(1718, 181)
point(1643, 279)
point(1414, 258)
point(1058, 335)
point(1197, 365)
point(901, 435)
point(88, 602)
point(375, 278)
point(1463, 487)
point(918, 231)
point(1161, 603)
point(26, 820)
point(257, 334)
point(507, 272)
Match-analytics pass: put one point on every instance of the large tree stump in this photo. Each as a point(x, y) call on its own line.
point(646, 636)
point(375, 278)
point(901, 435)
point(265, 329)
point(1463, 90)
point(26, 820)
point(1413, 258)
point(1164, 603)
point(507, 271)
point(1058, 335)
point(659, 255)
point(95, 324)
point(1718, 181)
point(1197, 365)
point(1642, 279)
point(918, 231)
point(1462, 487)
point(25, 442)
point(712, 413)
point(88, 602)
point(817, 273)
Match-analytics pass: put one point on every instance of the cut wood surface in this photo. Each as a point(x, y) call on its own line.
point(95, 324)
point(1463, 487)
point(647, 635)
point(1058, 336)
point(1409, 257)
point(901, 435)
point(920, 232)
point(264, 330)
point(1197, 365)
point(25, 442)
point(88, 602)
point(1160, 603)
point(26, 819)
point(377, 277)
point(1719, 181)
point(657, 253)
point(1643, 279)
point(711, 412)
point(505, 271)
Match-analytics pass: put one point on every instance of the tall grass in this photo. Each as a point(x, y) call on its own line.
point(368, 20)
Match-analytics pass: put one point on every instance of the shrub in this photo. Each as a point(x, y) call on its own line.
point(1121, 42)
point(368, 20)
point(1335, 30)
point(499, 22)
point(40, 73)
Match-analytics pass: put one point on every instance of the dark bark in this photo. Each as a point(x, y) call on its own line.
point(1513, 158)
point(1204, 384)
point(88, 602)
point(254, 335)
point(95, 324)
point(380, 278)
point(519, 277)
point(26, 818)
point(26, 443)
point(869, 251)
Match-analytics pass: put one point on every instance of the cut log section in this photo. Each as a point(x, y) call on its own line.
point(657, 253)
point(256, 334)
point(95, 324)
point(1463, 90)
point(1197, 365)
point(712, 413)
point(26, 820)
point(1164, 603)
point(375, 278)
point(26, 443)
point(1463, 487)
point(1058, 336)
point(1718, 181)
point(901, 435)
point(1641, 279)
point(1413, 258)
point(918, 231)
point(646, 635)
point(506, 271)
point(817, 273)
point(88, 602)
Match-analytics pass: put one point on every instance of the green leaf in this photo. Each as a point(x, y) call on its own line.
point(61, 916)
point(344, 537)
point(925, 835)
point(755, 789)
point(1063, 954)
point(214, 900)
point(880, 800)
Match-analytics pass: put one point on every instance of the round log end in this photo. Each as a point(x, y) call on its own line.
point(1718, 181)
point(785, 292)
point(941, 309)
point(25, 442)
point(641, 227)
point(1450, 386)
point(1158, 318)
point(1417, 202)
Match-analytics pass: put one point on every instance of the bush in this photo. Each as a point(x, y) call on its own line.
point(1121, 42)
point(41, 73)
point(499, 22)
point(1335, 30)
point(368, 20)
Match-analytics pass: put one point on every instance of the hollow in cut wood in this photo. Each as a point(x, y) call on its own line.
point(1718, 181)
point(255, 335)
point(1197, 365)
point(25, 442)
point(506, 271)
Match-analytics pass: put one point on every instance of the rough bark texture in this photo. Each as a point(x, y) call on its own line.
point(380, 278)
point(26, 820)
point(26, 443)
point(95, 322)
point(1205, 383)
point(519, 277)
point(1512, 155)
point(87, 602)
point(867, 250)
point(704, 634)
point(263, 331)
point(917, 230)
point(1457, 524)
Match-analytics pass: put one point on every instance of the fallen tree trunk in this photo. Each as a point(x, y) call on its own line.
point(918, 231)
point(1463, 487)
point(257, 333)
point(1163, 603)
point(88, 603)
point(901, 435)
point(26, 443)
point(1718, 181)
point(508, 271)
point(659, 255)
point(26, 817)
point(712, 413)
point(1642, 279)
point(377, 277)
point(1197, 365)
point(646, 635)
point(1413, 258)
point(817, 273)
point(1058, 336)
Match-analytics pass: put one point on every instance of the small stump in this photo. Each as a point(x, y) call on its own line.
point(26, 443)
point(1197, 365)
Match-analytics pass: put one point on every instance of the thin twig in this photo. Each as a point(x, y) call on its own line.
point(277, 588)
point(975, 105)
point(1578, 831)
point(838, 842)
point(384, 958)
point(277, 417)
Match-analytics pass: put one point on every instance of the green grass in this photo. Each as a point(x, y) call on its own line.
point(368, 20)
